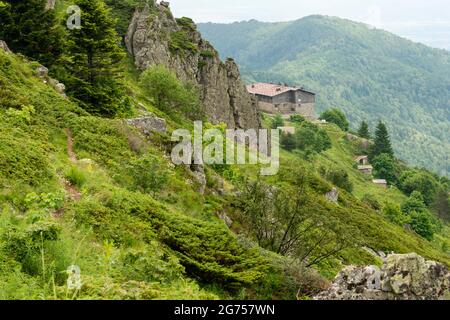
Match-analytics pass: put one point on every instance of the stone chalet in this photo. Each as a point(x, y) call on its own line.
point(283, 99)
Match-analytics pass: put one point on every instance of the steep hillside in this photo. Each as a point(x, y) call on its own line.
point(369, 73)
point(81, 190)
point(92, 207)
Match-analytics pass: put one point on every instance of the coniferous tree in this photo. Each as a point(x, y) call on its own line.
point(382, 142)
point(93, 58)
point(363, 131)
point(31, 30)
point(441, 204)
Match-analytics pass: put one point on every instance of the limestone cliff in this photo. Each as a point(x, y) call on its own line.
point(156, 37)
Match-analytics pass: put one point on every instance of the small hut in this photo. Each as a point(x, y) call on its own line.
point(381, 182)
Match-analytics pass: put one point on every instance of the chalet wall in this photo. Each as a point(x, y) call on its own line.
point(305, 97)
point(307, 110)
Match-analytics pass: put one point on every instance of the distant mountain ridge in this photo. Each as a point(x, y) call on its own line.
point(369, 73)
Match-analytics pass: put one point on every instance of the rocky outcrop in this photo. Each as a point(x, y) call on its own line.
point(402, 277)
point(148, 124)
point(198, 172)
point(4, 47)
point(226, 219)
point(155, 38)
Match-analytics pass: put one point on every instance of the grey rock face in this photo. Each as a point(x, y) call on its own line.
point(198, 173)
point(4, 47)
point(60, 88)
point(402, 277)
point(50, 5)
point(225, 218)
point(148, 124)
point(223, 94)
point(42, 72)
point(333, 195)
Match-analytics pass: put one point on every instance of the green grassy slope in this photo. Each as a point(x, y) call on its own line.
point(132, 244)
point(369, 73)
point(128, 244)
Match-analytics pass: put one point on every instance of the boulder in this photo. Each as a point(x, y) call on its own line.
point(4, 47)
point(148, 124)
point(333, 195)
point(60, 88)
point(42, 72)
point(402, 277)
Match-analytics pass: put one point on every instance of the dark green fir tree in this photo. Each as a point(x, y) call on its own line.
point(30, 29)
point(93, 58)
point(363, 131)
point(382, 143)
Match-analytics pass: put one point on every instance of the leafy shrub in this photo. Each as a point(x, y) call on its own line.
point(23, 155)
point(372, 201)
point(421, 181)
point(202, 64)
point(186, 23)
point(169, 93)
point(415, 203)
point(339, 178)
point(285, 221)
point(421, 220)
point(44, 200)
point(180, 42)
point(25, 242)
point(385, 167)
point(277, 122)
point(296, 118)
point(149, 174)
point(150, 265)
point(394, 214)
point(422, 224)
point(288, 141)
point(23, 115)
point(337, 117)
point(207, 54)
point(308, 138)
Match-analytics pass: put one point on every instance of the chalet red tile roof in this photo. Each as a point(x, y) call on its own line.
point(272, 90)
point(268, 89)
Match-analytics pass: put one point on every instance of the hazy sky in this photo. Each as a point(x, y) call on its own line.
point(427, 21)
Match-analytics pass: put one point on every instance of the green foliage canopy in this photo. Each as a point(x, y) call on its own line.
point(337, 117)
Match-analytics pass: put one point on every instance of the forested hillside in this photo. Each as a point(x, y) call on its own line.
point(368, 73)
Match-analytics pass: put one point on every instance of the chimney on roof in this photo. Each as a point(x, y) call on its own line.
point(253, 86)
point(278, 89)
